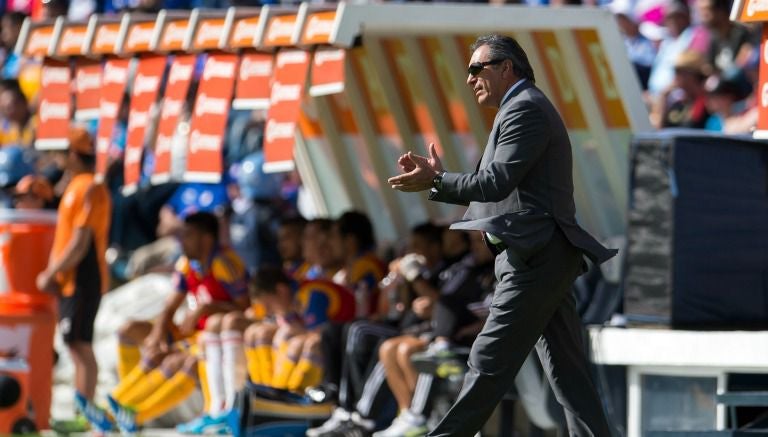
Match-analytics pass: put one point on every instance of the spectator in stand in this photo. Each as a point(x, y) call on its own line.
point(15, 163)
point(17, 127)
point(680, 36)
point(33, 192)
point(727, 101)
point(254, 221)
point(684, 103)
point(77, 270)
point(640, 49)
point(10, 27)
point(731, 42)
point(53, 9)
point(318, 257)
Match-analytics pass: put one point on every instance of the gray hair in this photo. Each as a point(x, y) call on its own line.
point(506, 47)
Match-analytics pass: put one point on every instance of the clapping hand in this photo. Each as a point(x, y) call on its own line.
point(418, 171)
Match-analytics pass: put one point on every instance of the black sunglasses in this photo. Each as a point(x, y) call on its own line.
point(476, 67)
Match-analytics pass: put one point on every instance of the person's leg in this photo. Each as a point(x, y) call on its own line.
point(562, 356)
point(259, 353)
point(395, 378)
point(233, 325)
point(210, 342)
point(129, 339)
point(142, 380)
point(525, 299)
point(86, 368)
point(309, 370)
point(406, 349)
point(360, 357)
point(289, 353)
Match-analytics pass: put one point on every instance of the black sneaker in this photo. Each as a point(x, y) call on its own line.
point(349, 429)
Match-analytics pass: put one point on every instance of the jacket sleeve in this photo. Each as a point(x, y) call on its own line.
point(523, 136)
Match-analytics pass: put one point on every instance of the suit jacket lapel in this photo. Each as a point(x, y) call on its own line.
point(490, 147)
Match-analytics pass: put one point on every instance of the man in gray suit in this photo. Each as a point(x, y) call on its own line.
point(521, 198)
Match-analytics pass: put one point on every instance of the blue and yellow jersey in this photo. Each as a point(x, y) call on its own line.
point(223, 279)
point(320, 301)
point(367, 269)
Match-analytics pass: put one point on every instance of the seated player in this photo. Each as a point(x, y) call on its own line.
point(281, 353)
point(160, 376)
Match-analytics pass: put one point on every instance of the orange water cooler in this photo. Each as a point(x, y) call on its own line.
point(27, 316)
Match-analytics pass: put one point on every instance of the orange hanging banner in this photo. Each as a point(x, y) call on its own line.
point(55, 108)
point(209, 118)
point(327, 72)
point(176, 89)
point(113, 80)
point(146, 84)
point(253, 80)
point(761, 130)
point(87, 89)
point(290, 77)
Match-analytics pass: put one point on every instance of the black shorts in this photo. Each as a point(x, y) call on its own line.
point(77, 313)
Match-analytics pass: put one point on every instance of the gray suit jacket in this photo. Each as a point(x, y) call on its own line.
point(523, 186)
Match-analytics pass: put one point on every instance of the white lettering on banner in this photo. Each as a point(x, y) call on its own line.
point(174, 32)
point(199, 141)
point(250, 68)
point(559, 68)
point(138, 118)
point(114, 74)
point(764, 95)
point(276, 130)
point(39, 41)
point(145, 84)
point(281, 29)
point(210, 105)
point(88, 81)
point(217, 69)
point(323, 56)
point(179, 72)
point(49, 110)
point(602, 71)
point(163, 145)
point(106, 36)
point(282, 93)
point(55, 75)
point(108, 109)
point(295, 57)
point(140, 35)
point(754, 6)
point(102, 145)
point(209, 32)
point(245, 30)
point(171, 108)
point(319, 26)
point(132, 155)
point(72, 40)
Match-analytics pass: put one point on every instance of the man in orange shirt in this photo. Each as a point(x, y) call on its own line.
point(77, 271)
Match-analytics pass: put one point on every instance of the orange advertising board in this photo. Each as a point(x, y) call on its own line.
point(105, 39)
point(291, 67)
point(556, 70)
point(318, 28)
point(55, 107)
point(209, 118)
point(176, 89)
point(253, 81)
point(327, 71)
point(753, 11)
point(146, 84)
point(208, 33)
point(244, 32)
point(87, 89)
point(280, 30)
point(173, 35)
point(72, 40)
point(39, 41)
point(604, 85)
point(139, 37)
point(113, 81)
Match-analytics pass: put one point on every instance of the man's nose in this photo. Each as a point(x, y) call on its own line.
point(471, 79)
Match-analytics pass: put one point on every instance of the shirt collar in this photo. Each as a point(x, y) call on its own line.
point(510, 90)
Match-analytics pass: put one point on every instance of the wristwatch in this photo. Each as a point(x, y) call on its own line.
point(437, 181)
